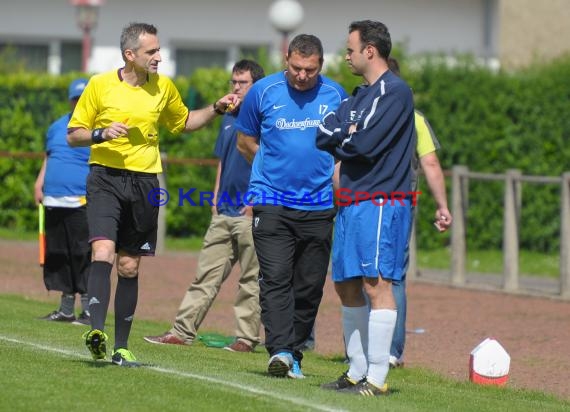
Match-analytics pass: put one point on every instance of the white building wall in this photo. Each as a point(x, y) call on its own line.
point(423, 25)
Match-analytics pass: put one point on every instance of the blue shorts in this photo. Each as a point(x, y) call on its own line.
point(371, 241)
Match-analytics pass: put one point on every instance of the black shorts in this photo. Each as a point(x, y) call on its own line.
point(118, 209)
point(68, 252)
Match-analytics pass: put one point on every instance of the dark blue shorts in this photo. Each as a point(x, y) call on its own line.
point(68, 253)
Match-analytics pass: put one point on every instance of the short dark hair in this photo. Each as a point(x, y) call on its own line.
point(393, 65)
point(131, 33)
point(373, 33)
point(246, 65)
point(306, 45)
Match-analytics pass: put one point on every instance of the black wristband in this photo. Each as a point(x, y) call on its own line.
point(220, 112)
point(97, 135)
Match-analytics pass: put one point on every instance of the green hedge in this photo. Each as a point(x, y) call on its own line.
point(31, 102)
point(489, 122)
point(494, 122)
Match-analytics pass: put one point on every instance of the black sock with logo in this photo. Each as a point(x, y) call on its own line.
point(126, 297)
point(99, 290)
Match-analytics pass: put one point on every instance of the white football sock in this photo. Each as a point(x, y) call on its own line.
point(380, 331)
point(355, 327)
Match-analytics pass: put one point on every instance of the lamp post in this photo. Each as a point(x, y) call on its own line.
point(285, 16)
point(87, 12)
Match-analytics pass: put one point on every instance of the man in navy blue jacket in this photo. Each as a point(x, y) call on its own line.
point(372, 134)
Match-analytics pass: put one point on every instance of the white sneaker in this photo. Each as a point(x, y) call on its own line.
point(396, 362)
point(280, 364)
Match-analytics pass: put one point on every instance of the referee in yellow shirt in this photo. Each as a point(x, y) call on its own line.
point(119, 114)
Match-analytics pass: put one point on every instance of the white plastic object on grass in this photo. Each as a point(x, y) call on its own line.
point(489, 363)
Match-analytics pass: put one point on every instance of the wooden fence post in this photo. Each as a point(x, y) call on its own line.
point(511, 219)
point(459, 181)
point(565, 236)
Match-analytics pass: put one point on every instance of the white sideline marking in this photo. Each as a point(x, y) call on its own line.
point(297, 401)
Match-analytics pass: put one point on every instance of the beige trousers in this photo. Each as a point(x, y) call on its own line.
point(227, 241)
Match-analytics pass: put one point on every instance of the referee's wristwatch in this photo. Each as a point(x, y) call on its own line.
point(218, 111)
point(97, 135)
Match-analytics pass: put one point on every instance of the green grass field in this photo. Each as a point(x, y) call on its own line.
point(45, 366)
point(491, 261)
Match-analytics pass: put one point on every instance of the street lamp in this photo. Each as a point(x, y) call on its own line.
point(87, 15)
point(285, 16)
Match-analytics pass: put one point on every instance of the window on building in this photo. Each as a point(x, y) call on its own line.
point(70, 57)
point(254, 52)
point(55, 57)
point(32, 57)
point(187, 61)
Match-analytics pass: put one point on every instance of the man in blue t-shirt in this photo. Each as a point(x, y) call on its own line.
point(227, 241)
point(291, 190)
point(61, 189)
point(372, 134)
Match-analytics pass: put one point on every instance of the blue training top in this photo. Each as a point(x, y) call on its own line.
point(288, 169)
point(377, 157)
point(67, 167)
point(235, 173)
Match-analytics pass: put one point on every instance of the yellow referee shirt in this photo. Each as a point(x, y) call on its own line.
point(107, 99)
point(426, 143)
